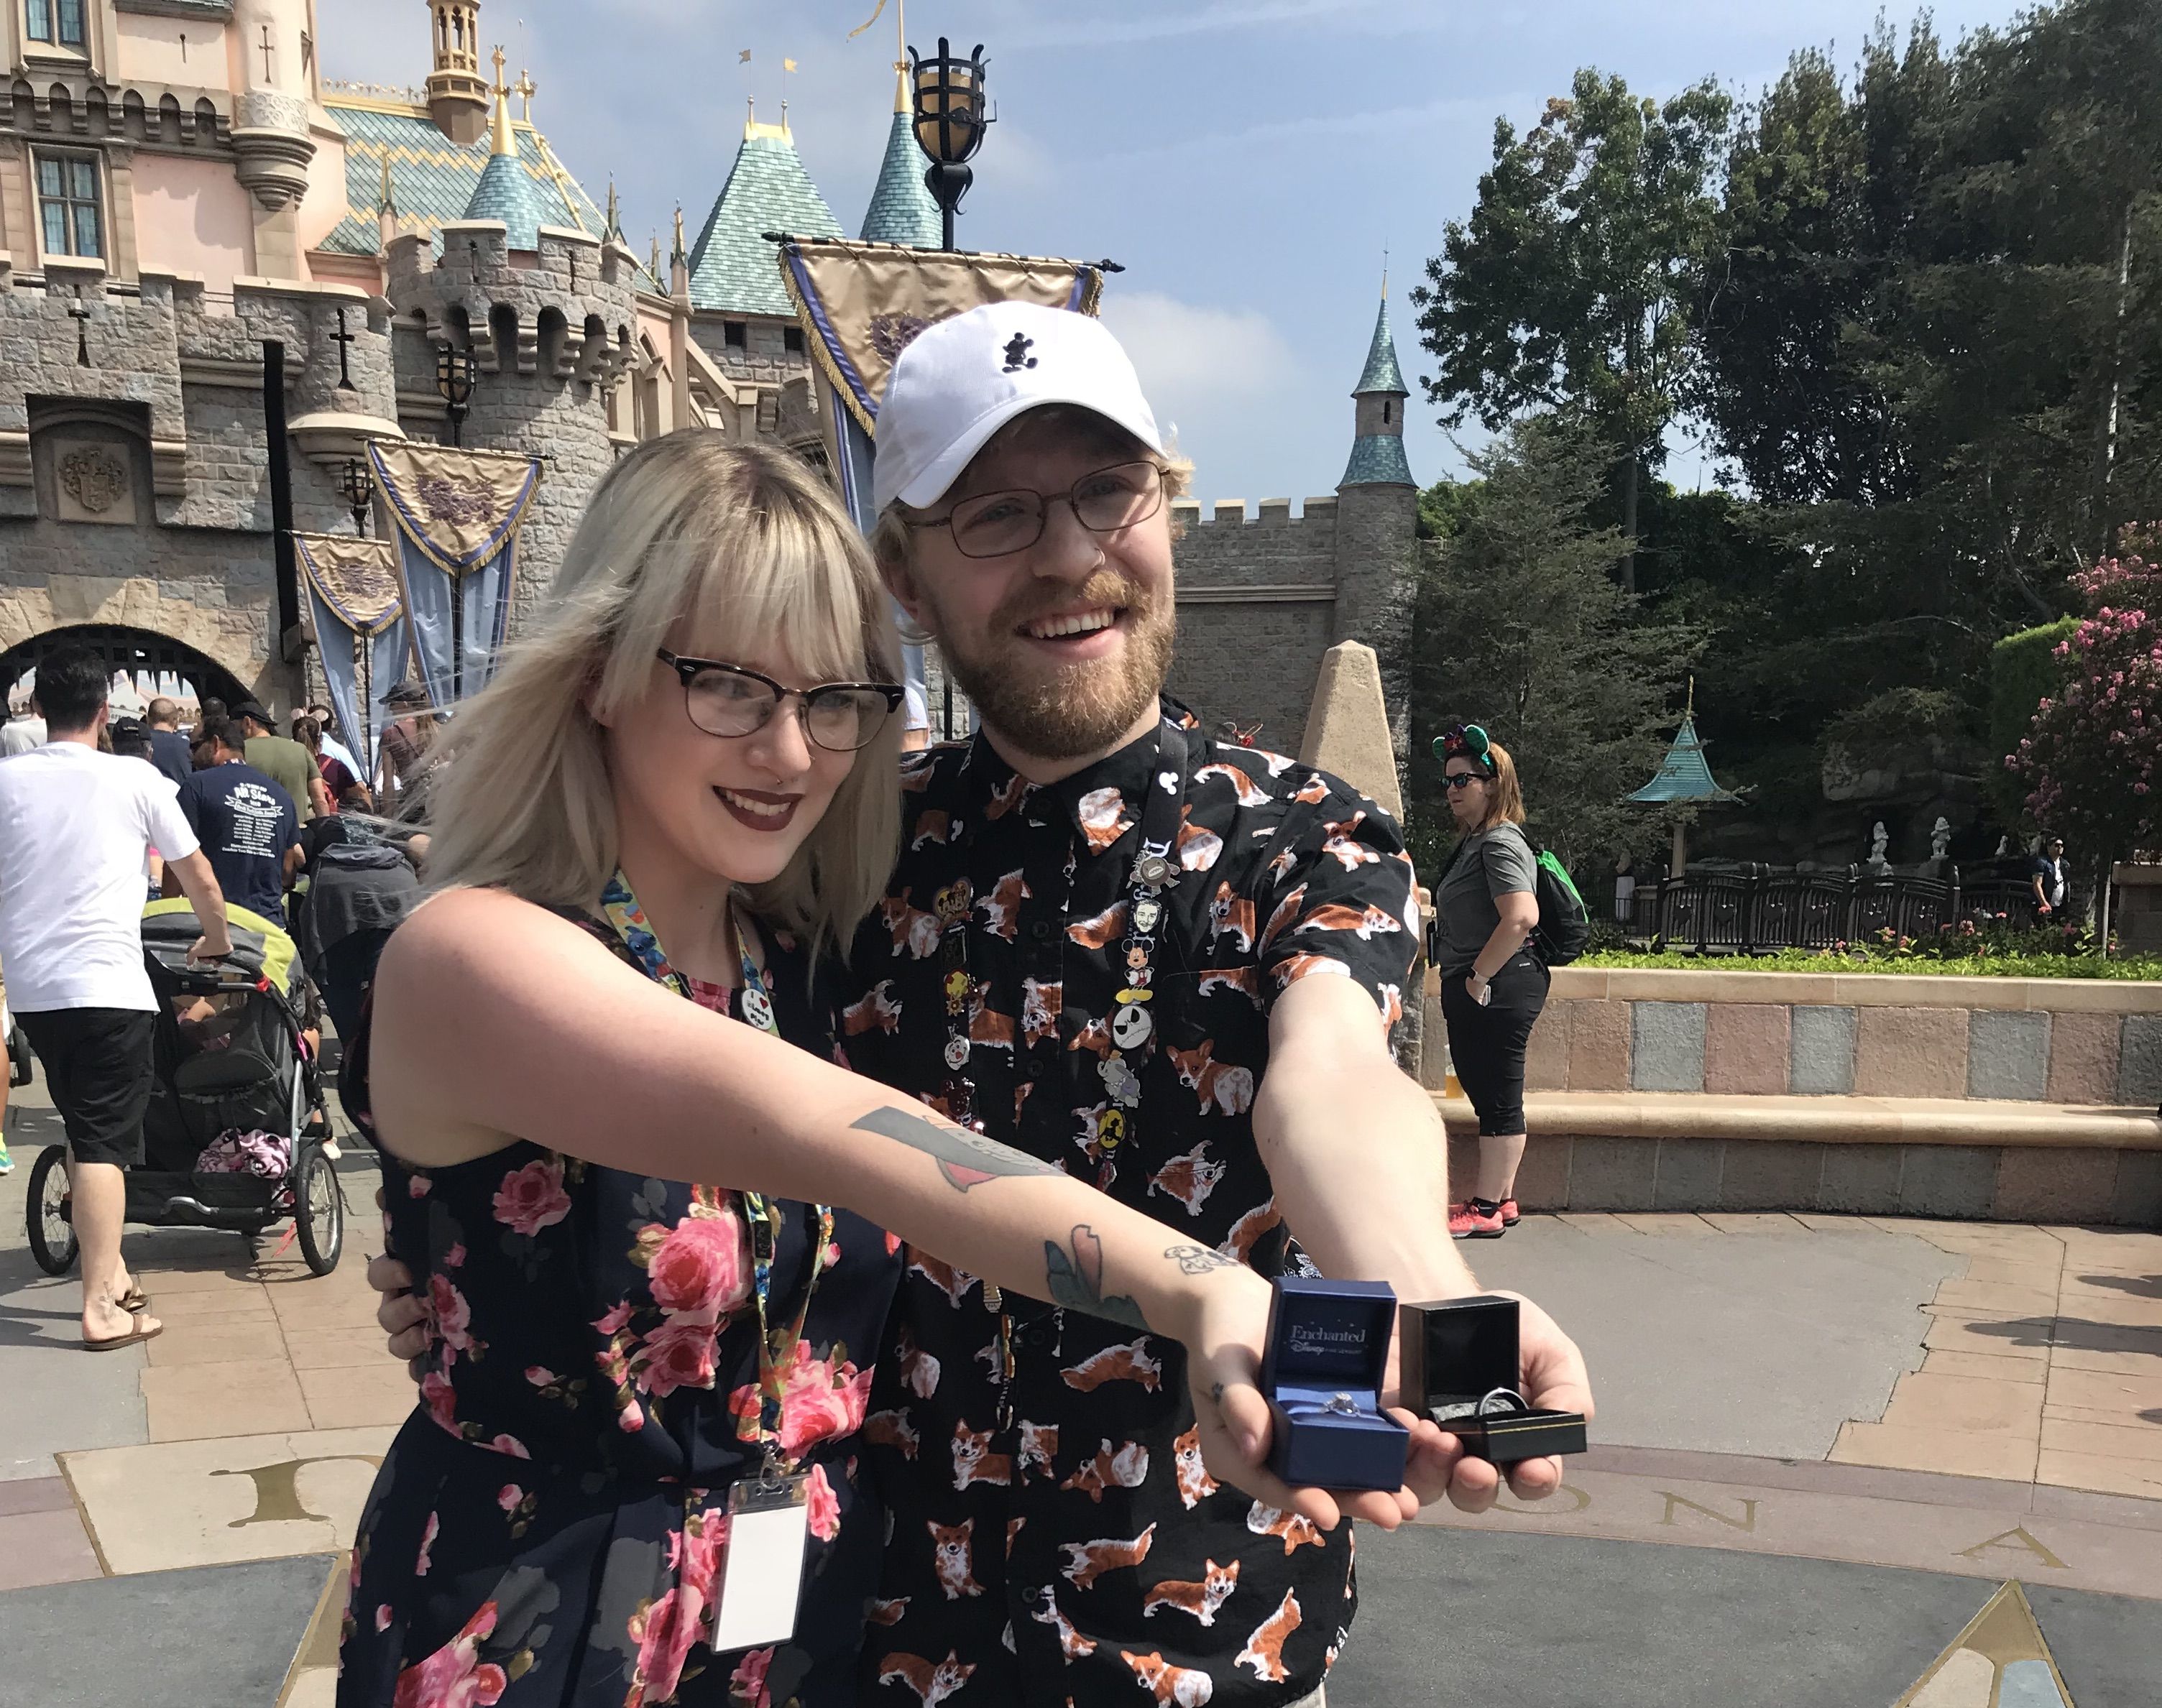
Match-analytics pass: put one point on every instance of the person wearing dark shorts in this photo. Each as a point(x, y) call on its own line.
point(76, 828)
point(1493, 985)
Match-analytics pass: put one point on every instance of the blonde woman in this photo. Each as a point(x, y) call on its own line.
point(1492, 984)
point(668, 803)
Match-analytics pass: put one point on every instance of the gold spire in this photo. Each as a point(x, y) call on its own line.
point(655, 268)
point(683, 251)
point(523, 88)
point(613, 228)
point(501, 143)
point(386, 203)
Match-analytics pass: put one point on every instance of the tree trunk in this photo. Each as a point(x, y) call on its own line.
point(1629, 525)
point(2116, 385)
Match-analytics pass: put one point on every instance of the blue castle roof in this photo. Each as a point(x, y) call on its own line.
point(1383, 376)
point(903, 209)
point(1684, 777)
point(734, 269)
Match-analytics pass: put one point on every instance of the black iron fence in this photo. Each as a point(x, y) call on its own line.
point(1754, 909)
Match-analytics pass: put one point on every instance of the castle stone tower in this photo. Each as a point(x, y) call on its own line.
point(1377, 507)
point(457, 93)
point(270, 141)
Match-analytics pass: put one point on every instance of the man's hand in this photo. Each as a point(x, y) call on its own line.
point(211, 945)
point(1554, 1378)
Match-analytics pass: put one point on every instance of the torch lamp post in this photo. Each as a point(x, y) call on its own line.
point(949, 123)
point(359, 493)
point(457, 372)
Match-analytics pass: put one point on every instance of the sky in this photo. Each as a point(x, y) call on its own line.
point(1248, 162)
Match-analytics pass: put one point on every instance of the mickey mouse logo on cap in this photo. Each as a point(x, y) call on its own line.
point(1017, 356)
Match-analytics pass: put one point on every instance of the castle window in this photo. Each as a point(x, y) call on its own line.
point(791, 340)
point(68, 206)
point(734, 334)
point(1388, 410)
point(56, 23)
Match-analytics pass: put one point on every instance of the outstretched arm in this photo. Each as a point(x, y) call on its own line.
point(495, 1020)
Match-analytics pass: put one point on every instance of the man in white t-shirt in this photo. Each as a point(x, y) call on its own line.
point(22, 734)
point(77, 827)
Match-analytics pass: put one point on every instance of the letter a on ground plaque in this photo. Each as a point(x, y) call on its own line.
point(1999, 1661)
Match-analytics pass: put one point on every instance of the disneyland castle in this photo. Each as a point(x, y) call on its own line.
point(181, 186)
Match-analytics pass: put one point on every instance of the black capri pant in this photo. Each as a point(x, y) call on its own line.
point(1487, 1045)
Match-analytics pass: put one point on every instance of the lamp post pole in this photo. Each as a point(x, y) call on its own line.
point(949, 124)
point(456, 373)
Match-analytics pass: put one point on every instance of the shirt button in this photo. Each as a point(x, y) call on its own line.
point(1035, 1067)
point(1041, 930)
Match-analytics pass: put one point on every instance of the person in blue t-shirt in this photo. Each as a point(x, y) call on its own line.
point(249, 826)
point(168, 748)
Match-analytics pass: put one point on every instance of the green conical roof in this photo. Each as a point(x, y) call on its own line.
point(734, 269)
point(506, 193)
point(1382, 375)
point(1378, 460)
point(1684, 777)
point(902, 209)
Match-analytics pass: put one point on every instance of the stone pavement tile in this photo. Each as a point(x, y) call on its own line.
point(249, 1397)
point(2120, 1251)
point(35, 1494)
point(2110, 1440)
point(1665, 1225)
point(330, 1348)
point(45, 1548)
point(1834, 1224)
point(1751, 1222)
point(215, 1340)
point(1593, 1221)
point(1968, 1403)
point(2115, 1421)
point(2020, 1271)
point(1957, 1452)
point(347, 1397)
point(312, 1687)
point(1982, 1364)
point(162, 1282)
point(1997, 1340)
point(2103, 1391)
point(2132, 1352)
point(230, 1302)
point(2111, 1475)
point(1973, 1297)
point(2108, 1304)
point(185, 1503)
point(336, 1310)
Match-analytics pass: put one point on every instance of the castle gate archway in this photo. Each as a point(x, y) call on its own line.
point(139, 650)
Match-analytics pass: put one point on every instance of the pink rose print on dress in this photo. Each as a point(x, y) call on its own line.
point(509, 1496)
point(382, 1617)
point(617, 1314)
point(532, 1198)
point(442, 1400)
point(510, 1444)
point(824, 1505)
point(747, 1683)
point(453, 1315)
point(703, 1266)
point(678, 1353)
point(454, 1676)
point(666, 1630)
point(819, 1401)
point(427, 1541)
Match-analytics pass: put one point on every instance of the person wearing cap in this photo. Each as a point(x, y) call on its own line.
point(404, 744)
point(283, 760)
point(1170, 967)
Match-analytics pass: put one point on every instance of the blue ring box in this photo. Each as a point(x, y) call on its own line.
point(1330, 1339)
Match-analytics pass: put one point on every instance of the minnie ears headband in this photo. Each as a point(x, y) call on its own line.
point(1465, 741)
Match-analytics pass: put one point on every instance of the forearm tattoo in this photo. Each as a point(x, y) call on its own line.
point(1198, 1260)
point(1077, 1279)
point(966, 1158)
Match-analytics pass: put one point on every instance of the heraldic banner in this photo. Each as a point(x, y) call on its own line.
point(457, 514)
point(361, 632)
point(860, 304)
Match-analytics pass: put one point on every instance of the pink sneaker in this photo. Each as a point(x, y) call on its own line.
point(1468, 1221)
point(1511, 1215)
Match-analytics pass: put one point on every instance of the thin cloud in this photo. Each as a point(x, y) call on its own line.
point(1169, 23)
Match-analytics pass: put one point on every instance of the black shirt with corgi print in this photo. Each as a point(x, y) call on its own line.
point(1083, 1551)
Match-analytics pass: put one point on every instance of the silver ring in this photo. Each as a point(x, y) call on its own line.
point(1511, 1401)
point(1343, 1405)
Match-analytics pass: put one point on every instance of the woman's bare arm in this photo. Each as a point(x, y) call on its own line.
point(495, 1020)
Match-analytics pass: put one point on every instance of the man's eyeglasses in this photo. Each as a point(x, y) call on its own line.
point(992, 524)
point(1460, 779)
point(728, 699)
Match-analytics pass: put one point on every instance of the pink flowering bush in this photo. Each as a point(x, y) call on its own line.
point(2091, 760)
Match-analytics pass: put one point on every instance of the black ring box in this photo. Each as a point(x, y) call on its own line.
point(1458, 1364)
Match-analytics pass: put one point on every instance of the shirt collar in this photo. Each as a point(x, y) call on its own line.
point(1085, 800)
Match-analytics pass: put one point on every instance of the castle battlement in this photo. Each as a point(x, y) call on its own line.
point(564, 311)
point(1319, 511)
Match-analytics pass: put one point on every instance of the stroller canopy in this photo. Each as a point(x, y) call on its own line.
point(260, 948)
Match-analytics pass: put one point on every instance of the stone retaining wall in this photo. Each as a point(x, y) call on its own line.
point(2089, 1041)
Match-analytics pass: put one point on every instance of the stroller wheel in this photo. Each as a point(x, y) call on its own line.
point(319, 1211)
point(52, 1234)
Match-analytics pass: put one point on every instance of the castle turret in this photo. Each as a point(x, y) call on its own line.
point(271, 144)
point(733, 269)
point(1377, 513)
point(1377, 454)
point(504, 192)
point(458, 94)
point(903, 209)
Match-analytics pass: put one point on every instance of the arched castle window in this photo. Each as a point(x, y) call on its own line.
point(503, 333)
point(553, 330)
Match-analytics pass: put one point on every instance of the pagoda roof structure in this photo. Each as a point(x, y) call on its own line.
point(1685, 779)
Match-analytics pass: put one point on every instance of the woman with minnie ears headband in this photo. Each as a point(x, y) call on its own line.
point(1492, 985)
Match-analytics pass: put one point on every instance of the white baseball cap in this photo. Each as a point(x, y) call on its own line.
point(960, 381)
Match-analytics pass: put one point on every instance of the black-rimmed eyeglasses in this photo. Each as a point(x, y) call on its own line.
point(730, 700)
point(993, 524)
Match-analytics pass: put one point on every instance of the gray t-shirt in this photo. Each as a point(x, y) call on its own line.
point(1492, 862)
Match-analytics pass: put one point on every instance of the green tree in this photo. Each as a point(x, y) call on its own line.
point(1519, 625)
point(1572, 285)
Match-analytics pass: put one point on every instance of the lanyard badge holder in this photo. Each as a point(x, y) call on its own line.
point(768, 1510)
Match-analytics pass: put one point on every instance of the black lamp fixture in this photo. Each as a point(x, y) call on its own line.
point(949, 123)
point(456, 373)
point(359, 493)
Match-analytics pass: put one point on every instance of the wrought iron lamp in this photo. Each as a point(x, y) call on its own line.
point(359, 493)
point(456, 373)
point(949, 123)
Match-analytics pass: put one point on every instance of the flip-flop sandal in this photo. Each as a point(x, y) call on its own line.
point(136, 1303)
point(134, 1337)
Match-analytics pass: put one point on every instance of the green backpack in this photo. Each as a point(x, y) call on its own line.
point(1564, 927)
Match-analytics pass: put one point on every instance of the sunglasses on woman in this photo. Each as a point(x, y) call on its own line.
point(732, 699)
point(1458, 779)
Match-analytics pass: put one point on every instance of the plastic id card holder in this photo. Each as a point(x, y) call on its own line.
point(762, 1575)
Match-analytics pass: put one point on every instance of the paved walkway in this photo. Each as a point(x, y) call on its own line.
point(1824, 1445)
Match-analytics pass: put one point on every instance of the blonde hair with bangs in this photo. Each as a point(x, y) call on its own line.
point(687, 523)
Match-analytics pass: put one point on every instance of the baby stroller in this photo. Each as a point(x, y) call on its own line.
point(234, 1136)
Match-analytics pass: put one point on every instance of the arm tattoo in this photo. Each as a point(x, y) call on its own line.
point(966, 1158)
point(1198, 1260)
point(1077, 1281)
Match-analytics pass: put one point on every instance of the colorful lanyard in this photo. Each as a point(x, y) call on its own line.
point(764, 1218)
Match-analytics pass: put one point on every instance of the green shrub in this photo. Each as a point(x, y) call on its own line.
point(2023, 670)
point(2132, 967)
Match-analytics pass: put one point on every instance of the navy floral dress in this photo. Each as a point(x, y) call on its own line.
point(551, 1524)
